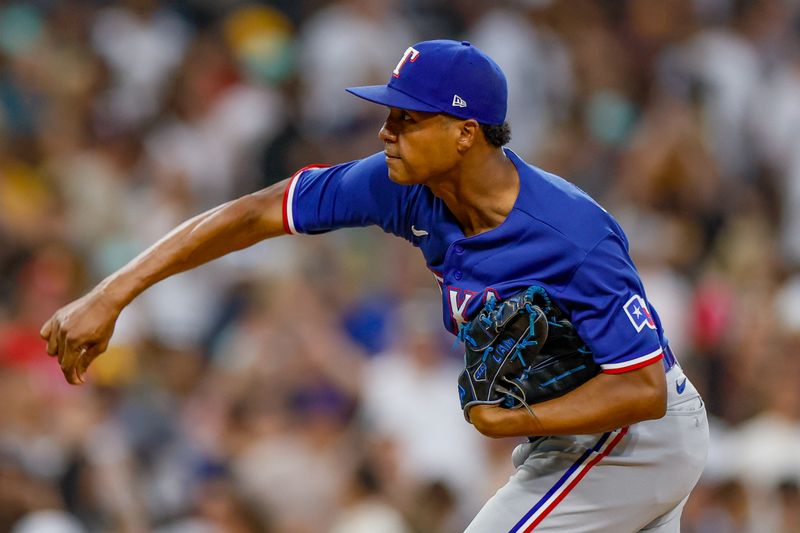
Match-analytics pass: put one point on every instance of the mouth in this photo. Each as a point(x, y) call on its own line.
point(390, 156)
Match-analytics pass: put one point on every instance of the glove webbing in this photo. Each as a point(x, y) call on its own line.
point(548, 311)
point(489, 306)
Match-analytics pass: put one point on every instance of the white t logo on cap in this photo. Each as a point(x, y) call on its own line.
point(410, 53)
point(458, 101)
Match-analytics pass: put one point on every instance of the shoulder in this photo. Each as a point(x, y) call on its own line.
point(370, 166)
point(566, 211)
point(356, 193)
point(366, 176)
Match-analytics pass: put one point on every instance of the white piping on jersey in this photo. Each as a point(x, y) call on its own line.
point(290, 201)
point(632, 362)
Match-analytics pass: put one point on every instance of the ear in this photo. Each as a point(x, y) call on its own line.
point(468, 134)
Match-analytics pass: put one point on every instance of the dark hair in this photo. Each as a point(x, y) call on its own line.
point(497, 134)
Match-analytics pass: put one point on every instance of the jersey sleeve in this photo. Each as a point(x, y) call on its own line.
point(609, 309)
point(359, 193)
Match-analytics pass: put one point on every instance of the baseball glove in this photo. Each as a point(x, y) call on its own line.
point(520, 352)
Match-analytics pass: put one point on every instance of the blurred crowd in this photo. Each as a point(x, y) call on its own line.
point(306, 384)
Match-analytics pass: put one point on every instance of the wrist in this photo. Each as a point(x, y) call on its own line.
point(495, 421)
point(484, 418)
point(113, 292)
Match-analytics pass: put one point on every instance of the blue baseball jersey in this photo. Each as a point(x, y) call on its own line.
point(555, 236)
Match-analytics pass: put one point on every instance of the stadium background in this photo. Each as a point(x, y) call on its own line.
point(306, 384)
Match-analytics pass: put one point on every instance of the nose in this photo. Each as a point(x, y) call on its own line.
point(386, 135)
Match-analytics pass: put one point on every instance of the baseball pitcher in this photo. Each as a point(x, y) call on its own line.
point(561, 344)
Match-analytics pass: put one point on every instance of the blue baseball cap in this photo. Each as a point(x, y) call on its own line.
point(444, 76)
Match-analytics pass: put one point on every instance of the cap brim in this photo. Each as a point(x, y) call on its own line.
point(390, 97)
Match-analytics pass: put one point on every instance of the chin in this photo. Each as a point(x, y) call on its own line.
point(399, 177)
point(402, 178)
point(395, 178)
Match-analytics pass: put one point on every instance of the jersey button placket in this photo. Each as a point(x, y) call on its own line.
point(456, 254)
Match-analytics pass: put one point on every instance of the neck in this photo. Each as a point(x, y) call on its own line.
point(481, 191)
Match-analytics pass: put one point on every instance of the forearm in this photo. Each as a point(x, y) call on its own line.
point(210, 235)
point(603, 403)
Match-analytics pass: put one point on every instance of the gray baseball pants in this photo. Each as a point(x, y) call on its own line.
point(628, 480)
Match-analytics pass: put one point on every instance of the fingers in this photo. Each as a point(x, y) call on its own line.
point(45, 331)
point(65, 357)
point(62, 348)
point(72, 358)
point(85, 359)
point(81, 364)
point(50, 332)
point(74, 364)
point(74, 351)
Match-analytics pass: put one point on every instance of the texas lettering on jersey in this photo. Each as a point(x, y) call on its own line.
point(462, 303)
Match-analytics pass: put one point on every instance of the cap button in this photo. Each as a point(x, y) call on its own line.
point(466, 43)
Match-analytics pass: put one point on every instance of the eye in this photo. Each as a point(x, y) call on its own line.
point(404, 116)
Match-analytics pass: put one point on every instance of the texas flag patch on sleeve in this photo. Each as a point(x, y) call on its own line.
point(638, 314)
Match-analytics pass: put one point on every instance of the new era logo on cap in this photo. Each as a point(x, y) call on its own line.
point(444, 77)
